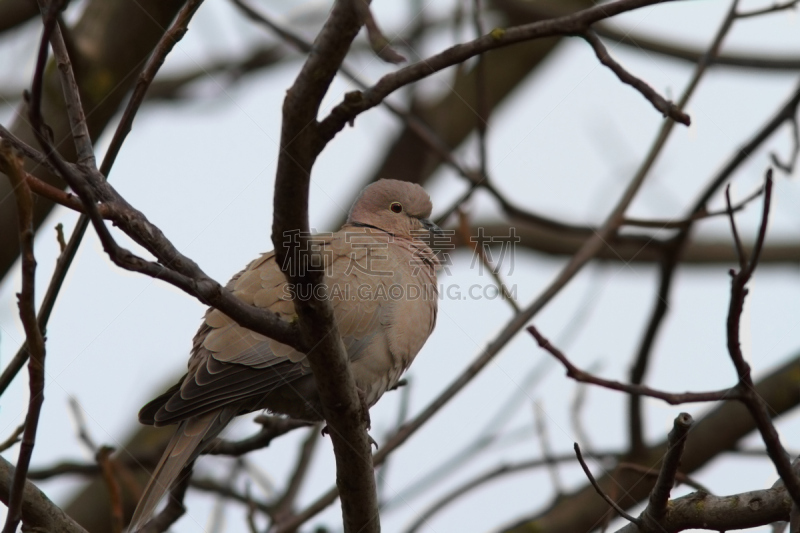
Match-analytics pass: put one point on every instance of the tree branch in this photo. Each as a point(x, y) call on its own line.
point(657, 509)
point(11, 165)
point(357, 102)
point(671, 398)
point(37, 510)
point(668, 109)
point(300, 146)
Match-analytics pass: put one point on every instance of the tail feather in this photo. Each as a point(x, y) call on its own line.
point(183, 448)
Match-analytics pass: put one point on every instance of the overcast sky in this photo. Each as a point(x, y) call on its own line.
point(564, 145)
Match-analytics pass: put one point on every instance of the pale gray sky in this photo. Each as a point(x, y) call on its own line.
point(565, 144)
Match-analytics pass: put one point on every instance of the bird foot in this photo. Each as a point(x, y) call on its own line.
point(372, 442)
point(365, 418)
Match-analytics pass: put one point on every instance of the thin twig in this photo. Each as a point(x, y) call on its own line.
point(599, 490)
point(790, 4)
point(679, 476)
point(674, 248)
point(165, 45)
point(271, 428)
point(11, 166)
point(107, 465)
point(702, 214)
point(672, 398)
point(789, 166)
point(481, 95)
point(80, 424)
point(574, 24)
point(13, 438)
point(576, 406)
point(547, 452)
point(479, 251)
point(402, 415)
point(668, 109)
point(737, 242)
point(285, 503)
point(755, 403)
point(216, 520)
point(490, 475)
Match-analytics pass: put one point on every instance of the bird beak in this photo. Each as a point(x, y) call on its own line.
point(433, 228)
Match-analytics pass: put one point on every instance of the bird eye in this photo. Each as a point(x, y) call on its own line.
point(396, 207)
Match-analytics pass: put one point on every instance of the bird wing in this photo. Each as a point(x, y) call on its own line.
point(231, 363)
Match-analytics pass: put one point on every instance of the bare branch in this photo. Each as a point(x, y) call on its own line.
point(490, 475)
point(668, 109)
point(755, 403)
point(11, 166)
point(272, 427)
point(671, 398)
point(789, 166)
point(599, 490)
point(521, 10)
point(37, 510)
point(657, 509)
point(544, 440)
point(701, 510)
point(300, 146)
point(356, 103)
point(170, 38)
point(13, 438)
point(286, 502)
point(778, 6)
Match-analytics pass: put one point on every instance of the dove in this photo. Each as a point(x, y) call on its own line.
point(380, 277)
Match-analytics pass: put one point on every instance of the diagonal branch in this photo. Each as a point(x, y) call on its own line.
point(668, 109)
point(672, 398)
point(357, 102)
point(37, 510)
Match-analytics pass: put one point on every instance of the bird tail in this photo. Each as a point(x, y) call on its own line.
point(183, 448)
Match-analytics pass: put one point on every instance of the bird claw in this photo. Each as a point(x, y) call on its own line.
point(365, 419)
point(372, 442)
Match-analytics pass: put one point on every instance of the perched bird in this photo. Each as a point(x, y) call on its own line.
point(381, 279)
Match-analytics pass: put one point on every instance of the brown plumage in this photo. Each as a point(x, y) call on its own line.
point(381, 280)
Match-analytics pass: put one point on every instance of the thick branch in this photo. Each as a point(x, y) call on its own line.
point(701, 510)
point(658, 507)
point(37, 510)
point(300, 146)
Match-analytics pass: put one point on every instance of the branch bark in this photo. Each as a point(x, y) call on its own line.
point(713, 434)
point(37, 510)
point(301, 143)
